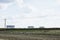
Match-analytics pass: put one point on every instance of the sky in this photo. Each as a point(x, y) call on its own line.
point(24, 13)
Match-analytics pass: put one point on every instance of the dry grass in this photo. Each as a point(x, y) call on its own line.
point(30, 34)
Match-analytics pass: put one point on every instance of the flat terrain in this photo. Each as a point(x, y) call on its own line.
point(29, 34)
point(30, 37)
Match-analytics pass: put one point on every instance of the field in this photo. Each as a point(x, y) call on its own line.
point(30, 34)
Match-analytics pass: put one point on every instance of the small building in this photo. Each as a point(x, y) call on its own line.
point(41, 27)
point(30, 26)
point(10, 26)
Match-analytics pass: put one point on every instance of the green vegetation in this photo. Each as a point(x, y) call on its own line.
point(31, 31)
point(30, 34)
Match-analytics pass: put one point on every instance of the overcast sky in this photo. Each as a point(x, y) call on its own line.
point(23, 13)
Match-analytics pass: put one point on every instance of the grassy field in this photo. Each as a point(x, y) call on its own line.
point(31, 31)
point(30, 34)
